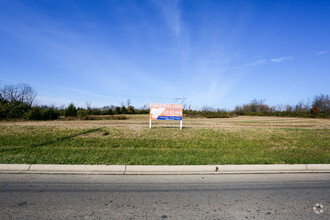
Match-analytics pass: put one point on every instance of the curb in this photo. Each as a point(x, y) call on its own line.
point(162, 169)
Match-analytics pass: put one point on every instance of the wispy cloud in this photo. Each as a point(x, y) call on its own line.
point(257, 63)
point(265, 61)
point(322, 52)
point(172, 15)
point(281, 59)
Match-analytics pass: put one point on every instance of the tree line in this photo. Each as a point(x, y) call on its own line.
point(18, 102)
point(320, 107)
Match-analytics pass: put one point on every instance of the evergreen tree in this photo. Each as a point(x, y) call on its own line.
point(71, 110)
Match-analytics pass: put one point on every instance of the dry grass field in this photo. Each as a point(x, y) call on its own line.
point(239, 140)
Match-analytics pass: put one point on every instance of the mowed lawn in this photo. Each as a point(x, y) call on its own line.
point(240, 140)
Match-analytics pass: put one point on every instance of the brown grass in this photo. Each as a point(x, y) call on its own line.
point(142, 121)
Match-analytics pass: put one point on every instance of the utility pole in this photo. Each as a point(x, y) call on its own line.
point(180, 100)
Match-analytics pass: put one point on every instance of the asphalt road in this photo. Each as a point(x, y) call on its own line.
point(281, 196)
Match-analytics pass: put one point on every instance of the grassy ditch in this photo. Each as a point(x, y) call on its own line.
point(219, 141)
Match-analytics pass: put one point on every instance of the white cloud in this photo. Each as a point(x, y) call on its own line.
point(322, 52)
point(257, 63)
point(172, 15)
point(281, 59)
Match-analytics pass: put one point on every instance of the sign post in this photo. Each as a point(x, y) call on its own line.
point(160, 111)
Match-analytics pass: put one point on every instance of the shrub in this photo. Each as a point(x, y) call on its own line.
point(315, 110)
point(118, 110)
point(123, 110)
point(322, 102)
point(4, 108)
point(34, 114)
point(82, 112)
point(130, 110)
point(50, 114)
point(109, 112)
point(71, 110)
point(96, 111)
point(217, 115)
point(17, 110)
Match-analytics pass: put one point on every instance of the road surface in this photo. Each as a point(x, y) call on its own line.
point(262, 196)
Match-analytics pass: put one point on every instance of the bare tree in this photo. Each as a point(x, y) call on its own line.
point(258, 106)
point(88, 104)
point(145, 107)
point(207, 108)
point(322, 102)
point(300, 107)
point(128, 102)
point(28, 94)
point(288, 108)
point(18, 93)
point(2, 95)
point(280, 107)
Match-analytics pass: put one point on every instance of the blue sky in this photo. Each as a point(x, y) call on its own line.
point(216, 53)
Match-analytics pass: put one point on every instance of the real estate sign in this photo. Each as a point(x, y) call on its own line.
point(161, 111)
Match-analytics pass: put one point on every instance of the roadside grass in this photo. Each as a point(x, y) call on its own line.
point(110, 144)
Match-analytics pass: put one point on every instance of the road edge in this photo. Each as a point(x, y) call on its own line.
point(162, 169)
